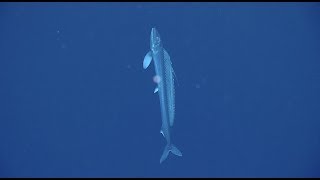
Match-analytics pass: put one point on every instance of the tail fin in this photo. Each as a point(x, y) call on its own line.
point(167, 149)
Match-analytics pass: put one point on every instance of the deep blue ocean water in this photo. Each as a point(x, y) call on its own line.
point(76, 102)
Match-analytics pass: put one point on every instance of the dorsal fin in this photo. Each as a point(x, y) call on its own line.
point(167, 57)
point(170, 79)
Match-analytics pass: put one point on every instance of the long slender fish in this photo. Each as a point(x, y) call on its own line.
point(165, 88)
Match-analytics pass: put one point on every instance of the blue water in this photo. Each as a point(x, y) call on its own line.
point(76, 102)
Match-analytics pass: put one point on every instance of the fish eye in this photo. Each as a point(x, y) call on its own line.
point(157, 41)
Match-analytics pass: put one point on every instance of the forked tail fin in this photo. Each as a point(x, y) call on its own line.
point(167, 149)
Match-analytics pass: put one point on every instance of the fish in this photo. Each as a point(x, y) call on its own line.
point(164, 78)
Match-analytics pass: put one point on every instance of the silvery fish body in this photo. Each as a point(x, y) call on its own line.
point(165, 88)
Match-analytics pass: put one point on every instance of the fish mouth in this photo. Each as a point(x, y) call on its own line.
point(155, 36)
point(154, 32)
point(155, 41)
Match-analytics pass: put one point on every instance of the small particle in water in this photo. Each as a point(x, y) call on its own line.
point(63, 46)
point(156, 79)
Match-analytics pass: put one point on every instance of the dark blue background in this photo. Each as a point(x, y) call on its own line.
point(76, 102)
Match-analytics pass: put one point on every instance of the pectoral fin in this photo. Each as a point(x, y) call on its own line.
point(156, 90)
point(147, 60)
point(162, 133)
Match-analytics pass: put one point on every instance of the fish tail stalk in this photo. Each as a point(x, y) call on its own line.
point(170, 148)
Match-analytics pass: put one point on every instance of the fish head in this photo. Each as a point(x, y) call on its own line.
point(155, 41)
